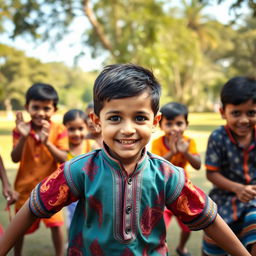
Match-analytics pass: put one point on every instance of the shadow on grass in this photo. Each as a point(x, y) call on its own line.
point(203, 128)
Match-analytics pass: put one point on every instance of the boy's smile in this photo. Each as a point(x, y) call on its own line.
point(126, 126)
point(241, 118)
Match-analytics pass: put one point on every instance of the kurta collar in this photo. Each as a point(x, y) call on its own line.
point(118, 166)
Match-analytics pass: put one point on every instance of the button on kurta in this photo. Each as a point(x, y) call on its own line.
point(128, 209)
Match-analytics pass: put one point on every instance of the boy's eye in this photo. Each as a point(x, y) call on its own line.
point(180, 123)
point(46, 109)
point(251, 113)
point(235, 113)
point(71, 129)
point(114, 118)
point(140, 118)
point(35, 108)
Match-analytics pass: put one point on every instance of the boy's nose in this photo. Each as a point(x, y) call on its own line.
point(244, 119)
point(40, 112)
point(127, 128)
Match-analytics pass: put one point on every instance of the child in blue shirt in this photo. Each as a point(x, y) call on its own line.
point(231, 163)
point(122, 190)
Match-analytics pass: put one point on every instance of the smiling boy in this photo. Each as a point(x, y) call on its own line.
point(231, 163)
point(122, 189)
point(39, 145)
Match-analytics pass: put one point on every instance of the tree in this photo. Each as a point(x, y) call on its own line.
point(235, 6)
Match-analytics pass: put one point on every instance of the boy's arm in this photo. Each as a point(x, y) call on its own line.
point(194, 160)
point(17, 150)
point(59, 155)
point(8, 193)
point(220, 232)
point(18, 226)
point(244, 192)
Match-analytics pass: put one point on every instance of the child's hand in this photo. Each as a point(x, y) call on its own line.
point(10, 195)
point(44, 133)
point(22, 127)
point(246, 193)
point(173, 142)
point(182, 145)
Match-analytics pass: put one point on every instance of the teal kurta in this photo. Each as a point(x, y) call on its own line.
point(117, 213)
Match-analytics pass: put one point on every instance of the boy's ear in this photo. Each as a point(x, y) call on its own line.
point(157, 118)
point(222, 113)
point(96, 121)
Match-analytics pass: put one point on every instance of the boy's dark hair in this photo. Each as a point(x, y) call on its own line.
point(72, 114)
point(238, 90)
point(173, 109)
point(42, 92)
point(125, 80)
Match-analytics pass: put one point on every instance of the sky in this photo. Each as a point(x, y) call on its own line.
point(69, 47)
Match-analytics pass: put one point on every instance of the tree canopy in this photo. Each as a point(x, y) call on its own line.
point(191, 53)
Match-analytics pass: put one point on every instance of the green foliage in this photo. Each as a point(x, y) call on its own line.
point(18, 72)
point(191, 54)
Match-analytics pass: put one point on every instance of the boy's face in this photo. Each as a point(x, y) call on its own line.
point(176, 126)
point(40, 110)
point(126, 125)
point(241, 118)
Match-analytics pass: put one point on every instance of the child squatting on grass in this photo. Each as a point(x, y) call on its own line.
point(231, 163)
point(122, 189)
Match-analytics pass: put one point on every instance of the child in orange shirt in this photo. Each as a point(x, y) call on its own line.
point(39, 145)
point(180, 150)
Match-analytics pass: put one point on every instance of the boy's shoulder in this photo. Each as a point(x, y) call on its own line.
point(219, 132)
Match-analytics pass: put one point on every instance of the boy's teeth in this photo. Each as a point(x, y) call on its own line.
point(127, 141)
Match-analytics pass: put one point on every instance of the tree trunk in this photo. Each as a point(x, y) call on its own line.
point(8, 108)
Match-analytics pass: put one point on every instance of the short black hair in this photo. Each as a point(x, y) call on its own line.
point(72, 114)
point(42, 92)
point(125, 80)
point(238, 90)
point(173, 109)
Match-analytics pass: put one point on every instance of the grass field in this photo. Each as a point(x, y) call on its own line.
point(39, 244)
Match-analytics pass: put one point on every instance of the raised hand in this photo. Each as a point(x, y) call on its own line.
point(22, 127)
point(44, 133)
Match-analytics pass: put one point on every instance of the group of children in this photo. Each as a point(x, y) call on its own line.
point(121, 196)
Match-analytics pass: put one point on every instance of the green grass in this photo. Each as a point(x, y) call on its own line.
point(39, 243)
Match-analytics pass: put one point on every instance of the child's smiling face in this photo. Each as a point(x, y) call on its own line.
point(126, 125)
point(241, 118)
point(40, 110)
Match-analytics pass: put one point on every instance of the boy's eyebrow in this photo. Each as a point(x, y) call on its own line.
point(118, 112)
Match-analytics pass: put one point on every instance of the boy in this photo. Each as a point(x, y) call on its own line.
point(231, 163)
point(39, 145)
point(180, 150)
point(122, 189)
